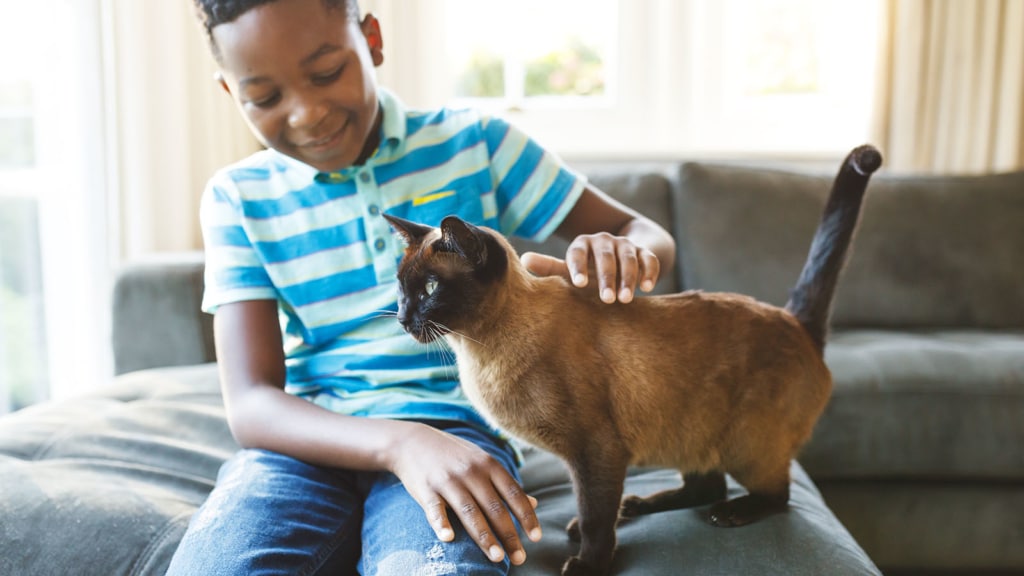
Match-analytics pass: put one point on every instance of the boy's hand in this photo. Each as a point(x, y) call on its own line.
point(442, 471)
point(608, 257)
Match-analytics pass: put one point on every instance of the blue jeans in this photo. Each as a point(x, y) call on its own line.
point(272, 514)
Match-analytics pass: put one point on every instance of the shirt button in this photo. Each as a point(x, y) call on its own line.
point(365, 177)
point(379, 244)
point(374, 210)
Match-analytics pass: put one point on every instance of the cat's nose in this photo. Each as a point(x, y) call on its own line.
point(403, 318)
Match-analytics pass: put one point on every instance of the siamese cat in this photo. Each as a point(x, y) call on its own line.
point(706, 383)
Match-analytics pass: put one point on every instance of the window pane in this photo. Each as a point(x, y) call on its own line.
point(17, 142)
point(482, 75)
point(783, 54)
point(576, 69)
point(23, 372)
point(530, 48)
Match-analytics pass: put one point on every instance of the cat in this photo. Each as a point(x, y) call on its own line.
point(702, 382)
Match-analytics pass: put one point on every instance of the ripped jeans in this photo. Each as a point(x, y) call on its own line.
point(272, 514)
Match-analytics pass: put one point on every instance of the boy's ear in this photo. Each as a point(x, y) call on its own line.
point(374, 40)
point(218, 77)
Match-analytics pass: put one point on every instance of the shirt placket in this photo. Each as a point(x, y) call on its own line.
point(378, 231)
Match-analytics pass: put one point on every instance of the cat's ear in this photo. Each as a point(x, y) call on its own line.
point(463, 238)
point(410, 231)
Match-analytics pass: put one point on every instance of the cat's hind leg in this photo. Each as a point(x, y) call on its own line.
point(767, 494)
point(698, 489)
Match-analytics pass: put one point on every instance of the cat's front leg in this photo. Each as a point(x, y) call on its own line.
point(597, 480)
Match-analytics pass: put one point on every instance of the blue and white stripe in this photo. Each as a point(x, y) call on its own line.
point(275, 228)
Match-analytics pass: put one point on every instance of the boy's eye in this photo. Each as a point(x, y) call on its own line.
point(322, 79)
point(265, 101)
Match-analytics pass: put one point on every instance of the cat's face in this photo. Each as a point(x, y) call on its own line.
point(445, 276)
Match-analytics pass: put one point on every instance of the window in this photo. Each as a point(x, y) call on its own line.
point(53, 272)
point(650, 78)
point(23, 365)
point(568, 57)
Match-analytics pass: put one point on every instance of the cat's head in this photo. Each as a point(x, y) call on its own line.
point(446, 275)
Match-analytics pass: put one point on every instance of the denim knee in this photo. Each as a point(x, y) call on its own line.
point(437, 559)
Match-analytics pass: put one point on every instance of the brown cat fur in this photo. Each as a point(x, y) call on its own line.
point(705, 383)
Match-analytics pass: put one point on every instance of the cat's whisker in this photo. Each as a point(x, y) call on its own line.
point(383, 313)
point(460, 334)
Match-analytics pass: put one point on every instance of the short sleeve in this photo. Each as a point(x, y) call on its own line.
point(234, 271)
point(535, 190)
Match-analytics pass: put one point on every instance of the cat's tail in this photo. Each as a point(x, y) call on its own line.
point(811, 299)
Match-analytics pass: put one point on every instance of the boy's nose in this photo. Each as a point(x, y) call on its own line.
point(306, 113)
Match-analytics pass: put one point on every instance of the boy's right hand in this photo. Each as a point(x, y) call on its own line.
point(442, 471)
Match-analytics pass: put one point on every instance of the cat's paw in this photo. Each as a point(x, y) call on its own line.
point(725, 515)
point(573, 530)
point(633, 506)
point(575, 566)
point(744, 510)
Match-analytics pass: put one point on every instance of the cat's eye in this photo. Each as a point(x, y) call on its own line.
point(429, 287)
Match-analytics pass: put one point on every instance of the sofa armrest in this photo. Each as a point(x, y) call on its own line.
point(156, 316)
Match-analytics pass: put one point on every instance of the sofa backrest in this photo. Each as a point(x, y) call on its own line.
point(156, 316)
point(931, 251)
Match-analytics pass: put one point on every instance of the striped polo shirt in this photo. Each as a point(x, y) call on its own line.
point(276, 228)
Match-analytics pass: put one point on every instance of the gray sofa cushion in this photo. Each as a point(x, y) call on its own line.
point(931, 251)
point(106, 484)
point(938, 405)
point(169, 290)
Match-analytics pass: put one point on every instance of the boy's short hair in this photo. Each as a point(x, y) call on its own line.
point(212, 13)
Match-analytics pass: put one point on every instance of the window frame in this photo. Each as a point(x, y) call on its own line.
point(671, 106)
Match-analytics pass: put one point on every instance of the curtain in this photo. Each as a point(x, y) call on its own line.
point(951, 90)
point(172, 126)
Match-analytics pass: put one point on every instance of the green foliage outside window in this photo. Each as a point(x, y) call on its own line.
point(484, 77)
point(575, 70)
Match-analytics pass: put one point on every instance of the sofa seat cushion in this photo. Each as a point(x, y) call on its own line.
point(807, 540)
point(106, 484)
point(935, 405)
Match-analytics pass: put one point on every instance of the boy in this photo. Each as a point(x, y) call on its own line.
point(358, 446)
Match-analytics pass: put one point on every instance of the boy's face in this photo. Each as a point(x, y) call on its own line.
point(302, 75)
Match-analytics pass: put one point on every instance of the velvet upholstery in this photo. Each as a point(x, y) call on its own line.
point(106, 484)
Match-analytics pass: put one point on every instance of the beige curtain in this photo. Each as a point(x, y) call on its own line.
point(172, 126)
point(952, 95)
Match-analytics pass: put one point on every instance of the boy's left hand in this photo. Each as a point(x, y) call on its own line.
point(618, 263)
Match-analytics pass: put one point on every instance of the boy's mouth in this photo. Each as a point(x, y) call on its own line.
point(326, 142)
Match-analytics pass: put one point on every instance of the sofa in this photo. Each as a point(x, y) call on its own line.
point(916, 467)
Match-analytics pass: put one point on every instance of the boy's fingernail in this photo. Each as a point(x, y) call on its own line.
point(608, 295)
point(496, 553)
point(446, 534)
point(647, 286)
point(518, 557)
point(535, 534)
point(579, 279)
point(625, 295)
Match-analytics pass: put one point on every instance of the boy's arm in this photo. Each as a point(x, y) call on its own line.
point(439, 470)
point(611, 241)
